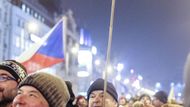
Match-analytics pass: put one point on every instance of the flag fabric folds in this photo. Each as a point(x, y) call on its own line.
point(47, 52)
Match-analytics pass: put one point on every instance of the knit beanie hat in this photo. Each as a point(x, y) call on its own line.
point(53, 88)
point(99, 85)
point(162, 96)
point(17, 70)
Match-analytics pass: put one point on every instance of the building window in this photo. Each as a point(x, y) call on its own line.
point(17, 41)
point(22, 41)
point(19, 23)
point(23, 7)
point(0, 13)
point(28, 10)
point(31, 12)
point(36, 15)
point(5, 17)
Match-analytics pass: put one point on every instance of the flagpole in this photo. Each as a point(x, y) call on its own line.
point(108, 49)
point(66, 55)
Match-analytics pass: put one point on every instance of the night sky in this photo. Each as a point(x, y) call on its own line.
point(150, 36)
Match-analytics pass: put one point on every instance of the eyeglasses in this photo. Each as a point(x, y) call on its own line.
point(6, 78)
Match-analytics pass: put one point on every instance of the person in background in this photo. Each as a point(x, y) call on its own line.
point(81, 101)
point(160, 98)
point(11, 74)
point(132, 100)
point(123, 101)
point(72, 95)
point(138, 104)
point(95, 94)
point(146, 100)
point(42, 90)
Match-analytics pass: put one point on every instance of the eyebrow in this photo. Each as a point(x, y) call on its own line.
point(32, 91)
point(5, 74)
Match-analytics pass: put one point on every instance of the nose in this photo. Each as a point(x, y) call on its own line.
point(19, 100)
point(97, 99)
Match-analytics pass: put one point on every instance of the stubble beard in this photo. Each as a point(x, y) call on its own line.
point(7, 96)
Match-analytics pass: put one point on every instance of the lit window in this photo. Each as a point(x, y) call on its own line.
point(31, 12)
point(39, 17)
point(28, 10)
point(23, 7)
point(36, 15)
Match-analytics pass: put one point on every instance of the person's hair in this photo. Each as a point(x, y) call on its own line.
point(122, 97)
point(144, 95)
point(138, 104)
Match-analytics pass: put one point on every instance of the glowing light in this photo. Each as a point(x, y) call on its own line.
point(126, 81)
point(136, 84)
point(128, 96)
point(172, 84)
point(158, 85)
point(109, 69)
point(94, 50)
point(97, 62)
point(118, 77)
point(32, 27)
point(179, 94)
point(132, 71)
point(140, 77)
point(82, 74)
point(120, 67)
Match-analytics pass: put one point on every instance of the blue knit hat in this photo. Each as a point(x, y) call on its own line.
point(99, 85)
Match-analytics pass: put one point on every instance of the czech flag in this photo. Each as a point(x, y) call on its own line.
point(49, 51)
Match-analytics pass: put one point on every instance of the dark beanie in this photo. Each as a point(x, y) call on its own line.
point(53, 88)
point(99, 85)
point(162, 96)
point(16, 69)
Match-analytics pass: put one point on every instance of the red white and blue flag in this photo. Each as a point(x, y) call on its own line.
point(46, 53)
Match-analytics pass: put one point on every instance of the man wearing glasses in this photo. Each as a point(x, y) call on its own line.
point(11, 74)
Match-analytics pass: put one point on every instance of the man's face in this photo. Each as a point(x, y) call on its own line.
point(156, 102)
point(122, 101)
point(28, 96)
point(146, 100)
point(96, 99)
point(7, 87)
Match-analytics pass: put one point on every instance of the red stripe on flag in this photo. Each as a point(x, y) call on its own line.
point(39, 61)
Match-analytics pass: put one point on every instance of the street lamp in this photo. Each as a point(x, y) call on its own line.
point(120, 67)
point(158, 85)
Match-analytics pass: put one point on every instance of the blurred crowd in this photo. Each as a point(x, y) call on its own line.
point(40, 89)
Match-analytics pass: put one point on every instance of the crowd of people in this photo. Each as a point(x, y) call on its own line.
point(40, 89)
